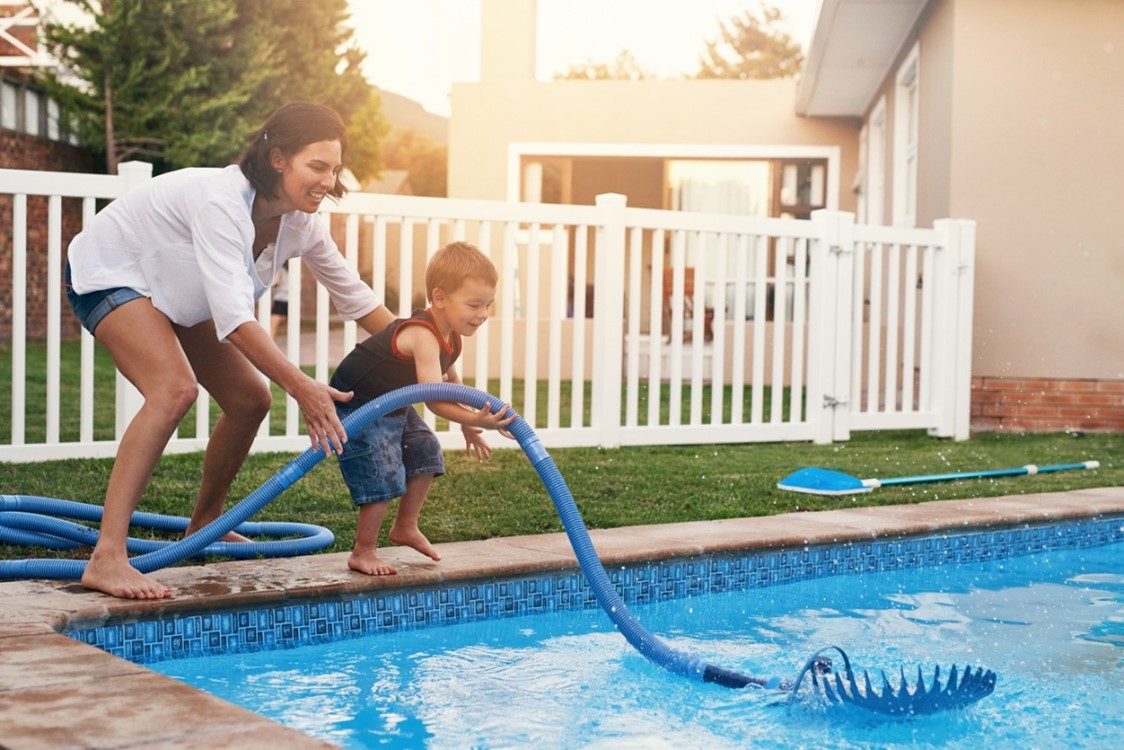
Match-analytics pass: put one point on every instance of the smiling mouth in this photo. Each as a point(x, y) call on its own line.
point(316, 196)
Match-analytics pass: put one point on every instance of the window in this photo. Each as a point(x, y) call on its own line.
point(31, 112)
point(906, 126)
point(802, 188)
point(53, 120)
point(9, 96)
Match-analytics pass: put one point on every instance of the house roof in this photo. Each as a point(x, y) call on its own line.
point(392, 181)
point(852, 49)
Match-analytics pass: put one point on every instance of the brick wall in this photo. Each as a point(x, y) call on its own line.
point(18, 151)
point(1038, 405)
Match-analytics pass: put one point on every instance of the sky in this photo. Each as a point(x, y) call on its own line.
point(418, 48)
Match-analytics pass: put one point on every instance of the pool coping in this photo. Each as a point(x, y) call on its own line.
point(58, 692)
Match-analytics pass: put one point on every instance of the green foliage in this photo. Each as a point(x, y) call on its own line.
point(625, 67)
point(612, 487)
point(426, 161)
point(365, 133)
point(185, 82)
point(751, 46)
point(307, 53)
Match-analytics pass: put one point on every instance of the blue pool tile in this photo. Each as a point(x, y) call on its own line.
point(178, 636)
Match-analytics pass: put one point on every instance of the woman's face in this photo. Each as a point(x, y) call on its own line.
point(309, 175)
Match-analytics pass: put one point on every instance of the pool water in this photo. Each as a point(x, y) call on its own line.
point(1051, 625)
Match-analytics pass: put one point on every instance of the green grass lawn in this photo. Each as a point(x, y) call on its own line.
point(613, 487)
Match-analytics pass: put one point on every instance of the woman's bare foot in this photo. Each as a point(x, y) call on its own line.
point(370, 563)
point(412, 537)
point(119, 578)
point(233, 536)
point(230, 536)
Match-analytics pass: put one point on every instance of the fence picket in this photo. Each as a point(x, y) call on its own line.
point(783, 300)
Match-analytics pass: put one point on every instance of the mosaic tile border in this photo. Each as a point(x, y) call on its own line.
point(319, 621)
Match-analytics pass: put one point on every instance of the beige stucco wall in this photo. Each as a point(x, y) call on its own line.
point(1019, 122)
point(1046, 179)
point(1019, 130)
point(508, 105)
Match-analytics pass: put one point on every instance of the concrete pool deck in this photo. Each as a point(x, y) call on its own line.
point(56, 692)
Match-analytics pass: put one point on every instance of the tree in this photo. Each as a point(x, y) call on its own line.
point(185, 82)
point(752, 46)
point(307, 50)
point(624, 68)
point(150, 72)
point(426, 161)
point(365, 132)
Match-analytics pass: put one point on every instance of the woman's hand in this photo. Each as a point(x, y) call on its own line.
point(317, 403)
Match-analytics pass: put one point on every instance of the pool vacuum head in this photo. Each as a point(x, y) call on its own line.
point(961, 689)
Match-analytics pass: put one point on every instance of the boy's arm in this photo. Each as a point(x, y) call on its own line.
point(420, 344)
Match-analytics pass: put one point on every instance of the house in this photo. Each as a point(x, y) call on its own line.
point(908, 112)
point(30, 138)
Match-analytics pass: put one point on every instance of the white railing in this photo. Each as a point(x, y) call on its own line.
point(811, 329)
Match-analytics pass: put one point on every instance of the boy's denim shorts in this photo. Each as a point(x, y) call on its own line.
point(91, 308)
point(378, 459)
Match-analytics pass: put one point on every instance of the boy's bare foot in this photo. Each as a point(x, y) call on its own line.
point(415, 539)
point(370, 563)
point(119, 578)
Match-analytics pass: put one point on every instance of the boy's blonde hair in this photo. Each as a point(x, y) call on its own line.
point(452, 264)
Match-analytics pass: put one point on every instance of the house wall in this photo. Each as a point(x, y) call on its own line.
point(20, 151)
point(509, 105)
point(934, 34)
point(937, 44)
point(1045, 181)
point(1019, 119)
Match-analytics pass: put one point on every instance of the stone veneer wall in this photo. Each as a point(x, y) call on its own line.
point(1045, 405)
point(19, 151)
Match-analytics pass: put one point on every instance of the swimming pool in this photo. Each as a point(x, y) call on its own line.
point(538, 678)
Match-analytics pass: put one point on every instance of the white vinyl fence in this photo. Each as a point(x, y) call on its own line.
point(613, 325)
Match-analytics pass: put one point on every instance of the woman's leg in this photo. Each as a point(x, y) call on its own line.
point(146, 351)
point(242, 392)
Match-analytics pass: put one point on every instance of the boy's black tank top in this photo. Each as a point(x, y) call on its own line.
point(376, 366)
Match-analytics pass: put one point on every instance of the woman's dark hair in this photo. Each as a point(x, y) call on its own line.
point(289, 129)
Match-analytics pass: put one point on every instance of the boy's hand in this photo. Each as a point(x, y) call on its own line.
point(474, 443)
point(486, 419)
point(497, 420)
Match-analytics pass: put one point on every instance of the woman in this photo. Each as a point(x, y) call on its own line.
point(166, 278)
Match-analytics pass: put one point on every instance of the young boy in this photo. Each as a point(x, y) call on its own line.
point(398, 455)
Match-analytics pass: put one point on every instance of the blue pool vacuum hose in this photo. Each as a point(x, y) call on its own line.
point(840, 687)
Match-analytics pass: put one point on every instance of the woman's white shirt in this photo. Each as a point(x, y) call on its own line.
point(185, 239)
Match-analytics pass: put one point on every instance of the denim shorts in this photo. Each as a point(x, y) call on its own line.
point(378, 459)
point(92, 307)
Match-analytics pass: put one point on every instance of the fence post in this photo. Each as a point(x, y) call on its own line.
point(966, 267)
point(608, 315)
point(831, 311)
point(128, 398)
point(955, 281)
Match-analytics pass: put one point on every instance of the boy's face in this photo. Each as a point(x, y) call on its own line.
point(467, 308)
